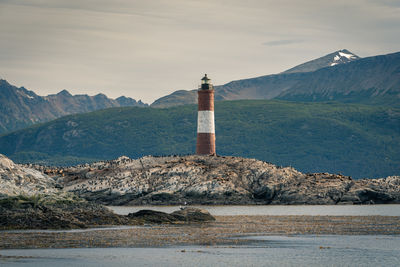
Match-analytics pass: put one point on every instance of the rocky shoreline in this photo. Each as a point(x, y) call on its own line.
point(69, 212)
point(38, 197)
point(211, 180)
point(30, 199)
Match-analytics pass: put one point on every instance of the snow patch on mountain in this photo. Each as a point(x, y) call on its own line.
point(342, 56)
point(348, 56)
point(336, 58)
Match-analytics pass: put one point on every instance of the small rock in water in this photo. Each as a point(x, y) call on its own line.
point(193, 215)
point(183, 215)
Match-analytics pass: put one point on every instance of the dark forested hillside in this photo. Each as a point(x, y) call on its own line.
point(352, 139)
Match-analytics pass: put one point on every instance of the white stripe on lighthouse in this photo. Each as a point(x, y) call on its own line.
point(205, 121)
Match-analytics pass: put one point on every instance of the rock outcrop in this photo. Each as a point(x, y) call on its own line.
point(19, 180)
point(193, 215)
point(180, 216)
point(66, 211)
point(54, 212)
point(216, 180)
point(195, 180)
point(30, 199)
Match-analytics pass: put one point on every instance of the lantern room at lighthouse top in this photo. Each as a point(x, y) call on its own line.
point(205, 84)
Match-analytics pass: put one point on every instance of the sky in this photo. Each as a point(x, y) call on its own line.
point(149, 48)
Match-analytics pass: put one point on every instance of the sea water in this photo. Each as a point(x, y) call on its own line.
point(314, 210)
point(298, 250)
point(303, 250)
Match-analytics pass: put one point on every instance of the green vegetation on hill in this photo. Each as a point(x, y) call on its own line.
point(352, 139)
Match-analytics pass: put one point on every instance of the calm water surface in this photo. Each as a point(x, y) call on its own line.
point(309, 250)
point(334, 210)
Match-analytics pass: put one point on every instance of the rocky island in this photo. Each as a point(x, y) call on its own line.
point(33, 196)
point(39, 197)
point(215, 180)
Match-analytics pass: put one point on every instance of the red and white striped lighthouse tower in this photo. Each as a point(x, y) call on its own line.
point(205, 119)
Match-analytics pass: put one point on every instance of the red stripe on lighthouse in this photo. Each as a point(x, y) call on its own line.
point(205, 144)
point(206, 99)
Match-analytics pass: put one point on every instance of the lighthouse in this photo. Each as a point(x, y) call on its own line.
point(205, 119)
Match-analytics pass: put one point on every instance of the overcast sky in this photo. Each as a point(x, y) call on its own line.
point(149, 48)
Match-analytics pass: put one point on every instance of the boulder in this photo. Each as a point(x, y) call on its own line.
point(193, 215)
point(54, 212)
point(152, 216)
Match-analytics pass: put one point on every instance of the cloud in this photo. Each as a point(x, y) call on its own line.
point(389, 3)
point(146, 49)
point(282, 42)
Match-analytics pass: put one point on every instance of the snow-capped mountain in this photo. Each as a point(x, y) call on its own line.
point(339, 76)
point(368, 80)
point(343, 57)
point(333, 59)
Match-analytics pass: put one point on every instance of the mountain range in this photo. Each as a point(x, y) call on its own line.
point(20, 107)
point(340, 76)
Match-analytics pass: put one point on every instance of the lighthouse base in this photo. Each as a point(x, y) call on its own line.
point(205, 144)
